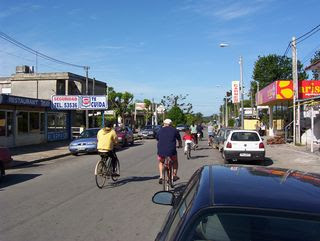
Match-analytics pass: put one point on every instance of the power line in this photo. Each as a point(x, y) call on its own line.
point(35, 52)
point(307, 34)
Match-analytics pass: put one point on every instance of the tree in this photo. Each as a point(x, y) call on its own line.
point(147, 104)
point(274, 67)
point(176, 100)
point(120, 102)
point(316, 57)
point(176, 115)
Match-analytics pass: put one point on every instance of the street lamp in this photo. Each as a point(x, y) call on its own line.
point(222, 45)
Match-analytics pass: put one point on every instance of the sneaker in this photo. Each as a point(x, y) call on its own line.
point(160, 180)
point(176, 178)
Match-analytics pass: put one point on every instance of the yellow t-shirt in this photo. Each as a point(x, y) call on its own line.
point(107, 137)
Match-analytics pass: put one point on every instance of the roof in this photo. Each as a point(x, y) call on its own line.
point(259, 187)
point(314, 66)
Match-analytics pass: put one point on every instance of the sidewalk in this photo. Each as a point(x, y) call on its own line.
point(37, 153)
point(295, 157)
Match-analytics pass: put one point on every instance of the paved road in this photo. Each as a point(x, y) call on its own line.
point(58, 200)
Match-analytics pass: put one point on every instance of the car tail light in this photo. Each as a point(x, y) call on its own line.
point(229, 145)
point(261, 145)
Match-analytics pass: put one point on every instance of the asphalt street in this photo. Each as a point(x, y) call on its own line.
point(59, 200)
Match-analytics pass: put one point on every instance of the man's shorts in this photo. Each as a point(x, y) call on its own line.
point(174, 158)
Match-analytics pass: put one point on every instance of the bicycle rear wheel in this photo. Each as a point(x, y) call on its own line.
point(116, 171)
point(101, 174)
point(165, 178)
point(170, 176)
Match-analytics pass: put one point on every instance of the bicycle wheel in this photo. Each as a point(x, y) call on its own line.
point(170, 175)
point(101, 174)
point(164, 178)
point(116, 171)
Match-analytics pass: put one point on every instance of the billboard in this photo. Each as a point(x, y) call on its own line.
point(79, 102)
point(235, 92)
point(140, 106)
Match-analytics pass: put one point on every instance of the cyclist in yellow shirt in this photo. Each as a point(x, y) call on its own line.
point(107, 139)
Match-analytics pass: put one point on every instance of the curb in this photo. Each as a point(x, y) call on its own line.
point(39, 160)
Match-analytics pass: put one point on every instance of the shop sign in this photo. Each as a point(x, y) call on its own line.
point(235, 92)
point(17, 100)
point(65, 102)
point(267, 94)
point(309, 88)
point(93, 102)
point(79, 102)
point(284, 89)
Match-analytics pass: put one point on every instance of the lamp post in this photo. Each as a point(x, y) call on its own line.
point(223, 45)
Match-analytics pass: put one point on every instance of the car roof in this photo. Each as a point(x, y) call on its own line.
point(258, 187)
point(245, 131)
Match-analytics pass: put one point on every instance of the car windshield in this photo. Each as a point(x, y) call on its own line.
point(89, 133)
point(244, 136)
point(239, 226)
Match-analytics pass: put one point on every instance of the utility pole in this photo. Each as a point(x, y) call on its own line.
point(226, 111)
point(152, 111)
point(257, 98)
point(241, 91)
point(296, 132)
point(93, 85)
point(87, 92)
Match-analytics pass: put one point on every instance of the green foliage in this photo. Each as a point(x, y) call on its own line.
point(120, 102)
point(107, 118)
point(316, 57)
point(274, 67)
point(148, 110)
point(231, 122)
point(176, 115)
point(176, 100)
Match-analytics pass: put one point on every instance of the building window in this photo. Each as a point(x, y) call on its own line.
point(2, 123)
point(51, 122)
point(34, 122)
point(57, 122)
point(42, 122)
point(23, 122)
point(61, 87)
point(9, 123)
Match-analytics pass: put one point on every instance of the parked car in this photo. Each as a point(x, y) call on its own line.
point(235, 202)
point(85, 143)
point(125, 135)
point(220, 137)
point(182, 127)
point(149, 131)
point(243, 145)
point(5, 160)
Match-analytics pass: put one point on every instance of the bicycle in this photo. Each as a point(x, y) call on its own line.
point(104, 169)
point(167, 174)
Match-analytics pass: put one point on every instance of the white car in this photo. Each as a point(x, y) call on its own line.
point(243, 145)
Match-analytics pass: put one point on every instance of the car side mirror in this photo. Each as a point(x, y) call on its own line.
point(163, 198)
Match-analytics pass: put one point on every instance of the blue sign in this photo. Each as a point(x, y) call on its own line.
point(17, 100)
point(57, 136)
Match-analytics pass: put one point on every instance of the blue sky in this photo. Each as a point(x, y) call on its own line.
point(153, 48)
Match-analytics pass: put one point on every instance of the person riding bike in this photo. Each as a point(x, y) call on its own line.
point(193, 129)
point(107, 140)
point(188, 138)
point(200, 130)
point(210, 133)
point(167, 138)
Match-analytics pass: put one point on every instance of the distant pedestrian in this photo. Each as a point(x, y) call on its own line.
point(193, 129)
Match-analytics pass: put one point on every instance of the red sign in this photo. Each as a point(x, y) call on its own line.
point(309, 88)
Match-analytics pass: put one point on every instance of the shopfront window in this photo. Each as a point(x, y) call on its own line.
point(34, 122)
point(51, 122)
point(23, 122)
point(2, 123)
point(61, 87)
point(42, 122)
point(9, 123)
point(61, 122)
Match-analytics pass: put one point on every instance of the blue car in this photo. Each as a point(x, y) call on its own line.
point(86, 143)
point(235, 202)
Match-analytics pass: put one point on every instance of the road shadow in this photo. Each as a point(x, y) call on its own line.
point(39, 147)
point(204, 148)
point(267, 162)
point(24, 164)
point(13, 179)
point(123, 181)
point(199, 156)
